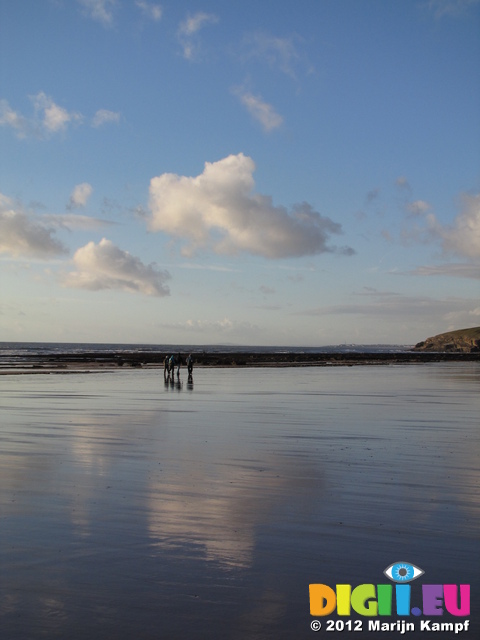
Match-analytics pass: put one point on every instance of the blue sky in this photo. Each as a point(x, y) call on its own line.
point(275, 172)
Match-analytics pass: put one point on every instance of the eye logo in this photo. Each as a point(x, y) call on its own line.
point(403, 572)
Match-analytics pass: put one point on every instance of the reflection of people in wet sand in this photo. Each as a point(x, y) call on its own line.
point(179, 362)
point(190, 370)
point(171, 383)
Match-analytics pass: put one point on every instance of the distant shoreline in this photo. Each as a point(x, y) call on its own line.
point(95, 361)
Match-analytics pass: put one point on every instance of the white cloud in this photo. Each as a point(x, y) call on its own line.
point(260, 110)
point(22, 234)
point(104, 116)
point(151, 11)
point(80, 195)
point(53, 117)
point(99, 10)
point(10, 118)
point(106, 266)
point(219, 210)
point(189, 29)
point(463, 237)
point(49, 118)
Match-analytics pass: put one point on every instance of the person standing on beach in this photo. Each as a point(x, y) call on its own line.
point(190, 365)
point(166, 369)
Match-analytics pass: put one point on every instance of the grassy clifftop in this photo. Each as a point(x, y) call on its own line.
point(463, 340)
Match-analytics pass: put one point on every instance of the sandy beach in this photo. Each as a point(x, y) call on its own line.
point(132, 507)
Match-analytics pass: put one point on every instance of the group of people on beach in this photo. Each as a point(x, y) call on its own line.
point(172, 361)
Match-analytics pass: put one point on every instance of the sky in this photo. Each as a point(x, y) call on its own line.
point(259, 173)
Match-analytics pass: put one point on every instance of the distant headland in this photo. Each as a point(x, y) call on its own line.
point(461, 341)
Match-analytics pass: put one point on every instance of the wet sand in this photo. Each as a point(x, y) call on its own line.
point(137, 508)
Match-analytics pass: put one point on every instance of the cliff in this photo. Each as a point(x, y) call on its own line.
point(462, 341)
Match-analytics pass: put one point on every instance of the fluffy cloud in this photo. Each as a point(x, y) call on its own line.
point(22, 234)
point(53, 118)
point(260, 110)
point(49, 118)
point(218, 210)
point(189, 29)
point(10, 118)
point(463, 237)
point(80, 195)
point(106, 266)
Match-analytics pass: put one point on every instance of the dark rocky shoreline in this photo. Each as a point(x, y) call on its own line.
point(97, 360)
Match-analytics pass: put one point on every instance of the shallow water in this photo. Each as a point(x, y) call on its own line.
point(131, 508)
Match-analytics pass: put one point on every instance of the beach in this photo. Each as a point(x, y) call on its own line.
point(138, 507)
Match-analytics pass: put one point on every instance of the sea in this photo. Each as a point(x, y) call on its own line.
point(8, 349)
